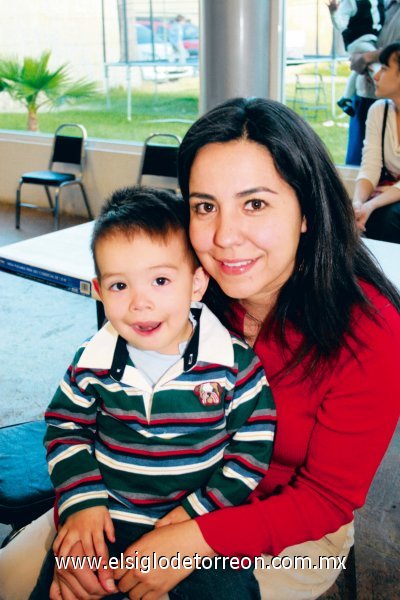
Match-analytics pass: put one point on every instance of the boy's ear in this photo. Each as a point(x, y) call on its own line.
point(200, 283)
point(96, 285)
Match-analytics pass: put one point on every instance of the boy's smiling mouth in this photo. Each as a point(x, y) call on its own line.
point(146, 327)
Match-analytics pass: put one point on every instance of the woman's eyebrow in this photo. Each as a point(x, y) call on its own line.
point(201, 195)
point(255, 190)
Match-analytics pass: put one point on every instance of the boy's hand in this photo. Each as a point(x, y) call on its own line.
point(177, 515)
point(83, 583)
point(88, 527)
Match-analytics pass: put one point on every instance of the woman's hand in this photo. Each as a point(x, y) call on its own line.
point(362, 212)
point(181, 541)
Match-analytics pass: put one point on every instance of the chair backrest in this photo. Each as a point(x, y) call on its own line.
point(158, 166)
point(69, 149)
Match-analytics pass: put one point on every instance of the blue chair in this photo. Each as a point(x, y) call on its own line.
point(26, 491)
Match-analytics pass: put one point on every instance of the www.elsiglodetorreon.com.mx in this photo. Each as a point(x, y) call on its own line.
point(146, 563)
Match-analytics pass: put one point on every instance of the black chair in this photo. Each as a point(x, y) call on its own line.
point(158, 166)
point(69, 151)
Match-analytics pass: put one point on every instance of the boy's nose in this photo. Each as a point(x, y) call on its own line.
point(139, 301)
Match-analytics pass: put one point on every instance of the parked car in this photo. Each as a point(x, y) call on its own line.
point(161, 26)
point(155, 49)
point(151, 48)
point(191, 39)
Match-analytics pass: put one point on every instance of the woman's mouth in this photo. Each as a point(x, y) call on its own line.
point(146, 328)
point(236, 267)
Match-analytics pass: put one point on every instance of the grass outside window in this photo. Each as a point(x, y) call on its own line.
point(166, 108)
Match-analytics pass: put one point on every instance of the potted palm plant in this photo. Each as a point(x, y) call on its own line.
point(32, 83)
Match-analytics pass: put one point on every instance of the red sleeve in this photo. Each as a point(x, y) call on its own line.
point(354, 423)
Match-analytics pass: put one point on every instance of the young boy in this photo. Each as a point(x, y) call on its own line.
point(359, 22)
point(163, 414)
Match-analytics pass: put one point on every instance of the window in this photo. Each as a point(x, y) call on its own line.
point(147, 80)
point(126, 46)
point(316, 72)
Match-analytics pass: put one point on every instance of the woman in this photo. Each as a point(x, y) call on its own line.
point(377, 192)
point(273, 226)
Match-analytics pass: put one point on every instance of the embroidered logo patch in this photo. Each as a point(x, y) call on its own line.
point(209, 393)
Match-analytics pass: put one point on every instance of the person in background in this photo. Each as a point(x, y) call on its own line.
point(359, 22)
point(365, 94)
point(376, 199)
point(175, 32)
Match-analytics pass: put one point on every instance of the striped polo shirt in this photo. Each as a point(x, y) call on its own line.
point(200, 437)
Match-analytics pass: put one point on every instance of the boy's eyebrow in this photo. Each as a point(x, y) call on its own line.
point(255, 190)
point(164, 266)
point(175, 267)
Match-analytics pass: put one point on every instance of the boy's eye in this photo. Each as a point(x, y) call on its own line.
point(254, 204)
point(203, 208)
point(161, 281)
point(117, 287)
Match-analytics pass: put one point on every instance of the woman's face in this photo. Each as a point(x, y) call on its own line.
point(245, 222)
point(387, 80)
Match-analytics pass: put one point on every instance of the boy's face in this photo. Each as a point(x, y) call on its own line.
point(146, 285)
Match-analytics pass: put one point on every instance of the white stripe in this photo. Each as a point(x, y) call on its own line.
point(132, 517)
point(67, 425)
point(251, 436)
point(249, 394)
point(163, 470)
point(67, 453)
point(196, 504)
point(76, 498)
point(75, 399)
point(248, 481)
point(163, 436)
point(112, 387)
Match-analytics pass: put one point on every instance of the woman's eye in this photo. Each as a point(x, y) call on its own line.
point(161, 281)
point(254, 204)
point(117, 287)
point(203, 208)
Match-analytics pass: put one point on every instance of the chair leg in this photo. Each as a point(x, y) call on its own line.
point(56, 210)
point(49, 198)
point(18, 206)
point(86, 200)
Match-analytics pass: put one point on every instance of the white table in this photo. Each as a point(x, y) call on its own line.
point(61, 259)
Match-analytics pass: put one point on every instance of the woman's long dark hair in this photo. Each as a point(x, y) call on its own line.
point(324, 287)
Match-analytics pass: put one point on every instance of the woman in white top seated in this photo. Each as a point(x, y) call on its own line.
point(376, 198)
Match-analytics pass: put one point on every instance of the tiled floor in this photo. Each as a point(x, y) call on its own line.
point(40, 329)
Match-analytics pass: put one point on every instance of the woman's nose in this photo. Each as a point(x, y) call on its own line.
point(377, 75)
point(228, 231)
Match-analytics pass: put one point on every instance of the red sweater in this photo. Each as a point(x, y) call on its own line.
point(330, 441)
